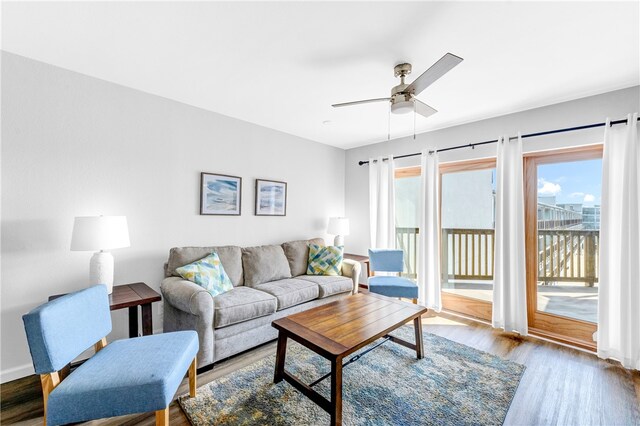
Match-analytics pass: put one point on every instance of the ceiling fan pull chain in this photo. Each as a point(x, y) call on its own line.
point(414, 120)
point(389, 124)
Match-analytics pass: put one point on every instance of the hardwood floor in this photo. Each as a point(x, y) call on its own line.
point(561, 385)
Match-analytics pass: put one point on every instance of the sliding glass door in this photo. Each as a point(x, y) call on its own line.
point(467, 227)
point(562, 220)
point(562, 230)
point(467, 217)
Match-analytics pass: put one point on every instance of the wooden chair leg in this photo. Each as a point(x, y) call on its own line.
point(162, 417)
point(49, 382)
point(100, 344)
point(64, 373)
point(192, 378)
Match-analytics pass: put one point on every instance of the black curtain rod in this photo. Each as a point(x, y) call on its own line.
point(530, 135)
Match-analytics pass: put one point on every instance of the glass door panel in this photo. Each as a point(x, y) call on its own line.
point(562, 233)
point(467, 238)
point(568, 222)
point(407, 199)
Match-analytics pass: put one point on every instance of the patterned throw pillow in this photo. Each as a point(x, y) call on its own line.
point(324, 260)
point(208, 273)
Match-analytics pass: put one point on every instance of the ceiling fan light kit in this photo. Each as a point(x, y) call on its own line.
point(403, 96)
point(401, 103)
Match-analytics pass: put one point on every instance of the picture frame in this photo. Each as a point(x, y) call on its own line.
point(220, 195)
point(271, 198)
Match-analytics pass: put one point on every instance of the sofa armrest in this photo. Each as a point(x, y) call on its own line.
point(187, 297)
point(188, 306)
point(351, 269)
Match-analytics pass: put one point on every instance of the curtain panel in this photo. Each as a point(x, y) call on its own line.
point(618, 334)
point(428, 238)
point(382, 211)
point(509, 288)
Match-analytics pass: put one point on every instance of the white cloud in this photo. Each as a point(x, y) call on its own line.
point(576, 195)
point(589, 198)
point(548, 188)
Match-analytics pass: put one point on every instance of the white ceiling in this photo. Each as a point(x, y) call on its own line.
point(282, 65)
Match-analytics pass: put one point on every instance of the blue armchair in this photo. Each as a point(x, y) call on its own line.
point(389, 260)
point(127, 376)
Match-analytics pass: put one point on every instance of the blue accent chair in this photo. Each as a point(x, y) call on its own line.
point(390, 260)
point(125, 377)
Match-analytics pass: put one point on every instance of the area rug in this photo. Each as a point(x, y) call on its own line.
point(453, 385)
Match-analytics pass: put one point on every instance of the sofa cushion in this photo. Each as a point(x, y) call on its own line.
point(263, 264)
point(290, 292)
point(208, 273)
point(325, 260)
point(297, 253)
point(241, 304)
point(230, 257)
point(330, 284)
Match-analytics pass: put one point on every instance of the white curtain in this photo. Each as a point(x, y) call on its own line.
point(619, 282)
point(382, 211)
point(428, 237)
point(509, 288)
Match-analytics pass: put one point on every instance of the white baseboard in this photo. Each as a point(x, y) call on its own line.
point(16, 373)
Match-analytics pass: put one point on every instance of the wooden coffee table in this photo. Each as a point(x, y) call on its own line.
point(338, 329)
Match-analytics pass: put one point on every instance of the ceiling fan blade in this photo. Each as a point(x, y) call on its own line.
point(366, 101)
point(423, 109)
point(437, 70)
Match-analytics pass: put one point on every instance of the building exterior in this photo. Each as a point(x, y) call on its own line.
point(591, 217)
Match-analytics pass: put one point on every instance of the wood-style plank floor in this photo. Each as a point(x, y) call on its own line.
point(561, 386)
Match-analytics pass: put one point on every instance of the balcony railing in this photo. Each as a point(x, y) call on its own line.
point(568, 255)
point(407, 240)
point(564, 255)
point(467, 254)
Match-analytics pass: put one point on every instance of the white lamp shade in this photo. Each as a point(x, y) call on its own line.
point(338, 226)
point(99, 233)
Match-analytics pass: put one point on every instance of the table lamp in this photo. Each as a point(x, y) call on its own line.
point(338, 226)
point(100, 233)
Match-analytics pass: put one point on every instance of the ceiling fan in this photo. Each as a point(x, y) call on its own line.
point(403, 96)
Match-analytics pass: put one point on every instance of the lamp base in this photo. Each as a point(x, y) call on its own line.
point(101, 269)
point(338, 240)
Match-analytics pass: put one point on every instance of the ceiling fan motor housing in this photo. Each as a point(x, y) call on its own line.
point(401, 101)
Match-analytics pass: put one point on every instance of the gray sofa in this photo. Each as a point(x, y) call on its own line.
point(269, 282)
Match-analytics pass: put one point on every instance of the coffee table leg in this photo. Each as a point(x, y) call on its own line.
point(280, 356)
point(417, 325)
point(336, 392)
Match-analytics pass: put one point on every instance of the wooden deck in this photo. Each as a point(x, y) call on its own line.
point(572, 300)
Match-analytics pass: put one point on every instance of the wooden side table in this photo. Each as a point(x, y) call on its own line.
point(131, 296)
point(359, 258)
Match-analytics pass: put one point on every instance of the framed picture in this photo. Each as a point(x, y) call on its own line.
point(220, 194)
point(271, 198)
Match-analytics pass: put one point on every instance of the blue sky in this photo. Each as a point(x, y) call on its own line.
point(573, 182)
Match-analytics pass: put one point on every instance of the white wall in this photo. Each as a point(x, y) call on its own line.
point(73, 145)
point(588, 110)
